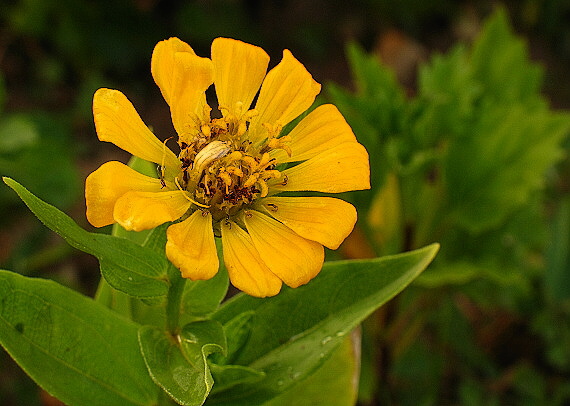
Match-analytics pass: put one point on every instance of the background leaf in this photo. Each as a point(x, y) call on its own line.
point(557, 277)
point(76, 349)
point(485, 190)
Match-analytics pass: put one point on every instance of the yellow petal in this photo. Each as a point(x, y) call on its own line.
point(191, 246)
point(239, 70)
point(321, 130)
point(139, 211)
point(287, 91)
point(247, 271)
point(294, 259)
point(107, 184)
point(325, 220)
point(339, 169)
point(117, 121)
point(162, 64)
point(192, 75)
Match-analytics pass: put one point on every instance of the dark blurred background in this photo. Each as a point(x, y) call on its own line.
point(55, 54)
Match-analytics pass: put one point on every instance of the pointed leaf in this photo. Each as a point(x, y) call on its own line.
point(126, 266)
point(73, 347)
point(501, 62)
point(295, 332)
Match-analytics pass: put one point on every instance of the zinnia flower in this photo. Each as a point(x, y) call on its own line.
point(231, 166)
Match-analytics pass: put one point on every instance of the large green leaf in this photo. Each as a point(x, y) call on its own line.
point(293, 333)
point(126, 266)
point(73, 347)
point(335, 383)
point(179, 364)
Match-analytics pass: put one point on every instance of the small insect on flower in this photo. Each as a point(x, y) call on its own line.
point(226, 180)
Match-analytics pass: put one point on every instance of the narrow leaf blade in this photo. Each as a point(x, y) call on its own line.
point(127, 266)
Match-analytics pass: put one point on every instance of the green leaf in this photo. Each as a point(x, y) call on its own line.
point(494, 171)
point(119, 301)
point(228, 376)
point(126, 266)
point(557, 277)
point(27, 139)
point(201, 298)
point(17, 132)
point(376, 113)
point(141, 310)
point(501, 63)
point(293, 333)
point(237, 331)
point(447, 95)
point(335, 383)
point(179, 365)
point(73, 347)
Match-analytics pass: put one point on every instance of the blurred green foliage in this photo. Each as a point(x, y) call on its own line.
point(466, 162)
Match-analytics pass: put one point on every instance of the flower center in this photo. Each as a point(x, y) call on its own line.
point(222, 169)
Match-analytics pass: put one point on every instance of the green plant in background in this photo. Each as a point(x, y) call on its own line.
point(26, 140)
point(465, 162)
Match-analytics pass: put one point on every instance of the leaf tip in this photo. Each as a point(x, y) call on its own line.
point(433, 249)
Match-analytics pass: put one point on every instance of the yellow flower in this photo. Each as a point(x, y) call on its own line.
point(230, 169)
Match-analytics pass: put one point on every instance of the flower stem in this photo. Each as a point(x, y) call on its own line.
point(174, 298)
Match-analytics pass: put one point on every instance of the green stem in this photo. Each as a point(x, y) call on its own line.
point(174, 299)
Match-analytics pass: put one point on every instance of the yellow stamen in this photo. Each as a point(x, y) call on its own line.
point(226, 178)
point(273, 173)
point(251, 180)
point(265, 158)
point(249, 161)
point(206, 130)
point(263, 187)
point(235, 171)
point(235, 156)
point(242, 128)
